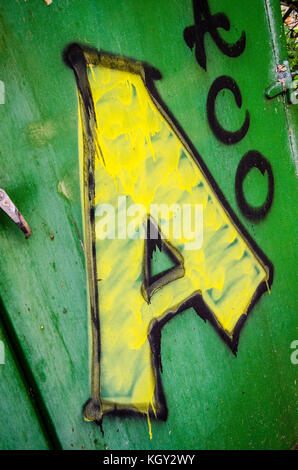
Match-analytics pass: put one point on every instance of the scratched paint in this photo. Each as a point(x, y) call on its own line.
point(2, 92)
point(140, 154)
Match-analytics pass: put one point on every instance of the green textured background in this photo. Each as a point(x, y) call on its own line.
point(215, 400)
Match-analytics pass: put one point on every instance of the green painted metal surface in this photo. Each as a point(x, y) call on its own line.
point(21, 427)
point(215, 400)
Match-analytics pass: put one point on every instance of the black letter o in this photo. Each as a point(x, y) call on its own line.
point(253, 159)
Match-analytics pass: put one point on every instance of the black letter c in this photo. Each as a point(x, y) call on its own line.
point(220, 133)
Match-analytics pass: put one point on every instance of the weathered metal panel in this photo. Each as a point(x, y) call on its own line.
point(214, 399)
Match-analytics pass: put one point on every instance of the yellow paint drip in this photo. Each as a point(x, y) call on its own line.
point(268, 288)
point(149, 424)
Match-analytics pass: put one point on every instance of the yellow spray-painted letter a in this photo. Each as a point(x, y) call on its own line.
point(131, 149)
